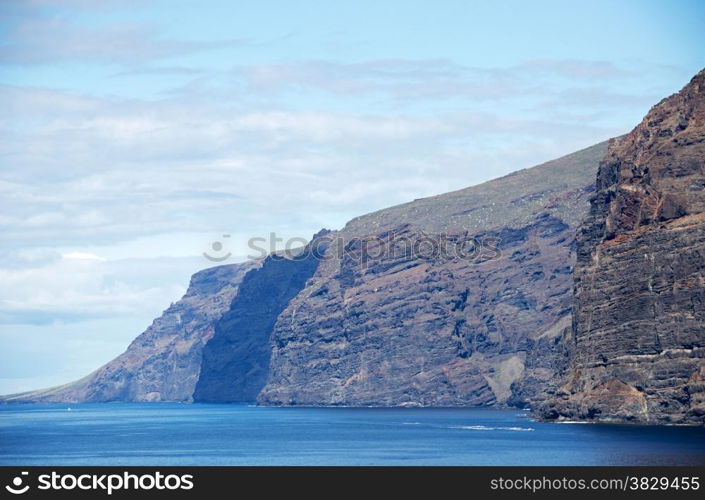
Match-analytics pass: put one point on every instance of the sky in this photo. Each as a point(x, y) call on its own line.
point(134, 134)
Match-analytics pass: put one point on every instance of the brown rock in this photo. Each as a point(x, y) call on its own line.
point(410, 329)
point(638, 336)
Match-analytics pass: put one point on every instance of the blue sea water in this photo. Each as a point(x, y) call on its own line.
point(200, 434)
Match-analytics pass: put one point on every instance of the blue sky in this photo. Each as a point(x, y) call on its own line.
point(135, 133)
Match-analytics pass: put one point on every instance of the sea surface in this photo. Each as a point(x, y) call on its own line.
point(201, 434)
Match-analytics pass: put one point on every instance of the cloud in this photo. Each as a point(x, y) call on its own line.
point(55, 38)
point(576, 69)
point(159, 71)
point(401, 78)
point(61, 316)
point(86, 170)
point(79, 286)
point(437, 78)
point(602, 98)
point(44, 355)
point(82, 170)
point(81, 256)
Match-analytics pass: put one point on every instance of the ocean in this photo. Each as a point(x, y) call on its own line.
point(202, 434)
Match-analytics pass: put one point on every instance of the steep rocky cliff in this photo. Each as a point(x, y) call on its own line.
point(637, 345)
point(236, 359)
point(391, 321)
point(383, 319)
point(164, 362)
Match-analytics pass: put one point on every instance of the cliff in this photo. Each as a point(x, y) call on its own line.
point(391, 321)
point(236, 359)
point(483, 296)
point(397, 327)
point(164, 362)
point(637, 343)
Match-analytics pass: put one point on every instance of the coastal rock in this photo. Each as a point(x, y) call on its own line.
point(424, 328)
point(236, 358)
point(637, 344)
point(389, 321)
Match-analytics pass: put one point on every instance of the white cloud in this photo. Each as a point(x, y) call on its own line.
point(438, 79)
point(83, 285)
point(44, 38)
point(82, 256)
point(35, 356)
point(62, 314)
point(85, 171)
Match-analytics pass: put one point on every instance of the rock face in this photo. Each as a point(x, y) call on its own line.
point(473, 297)
point(424, 328)
point(637, 345)
point(236, 359)
point(385, 318)
point(163, 363)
